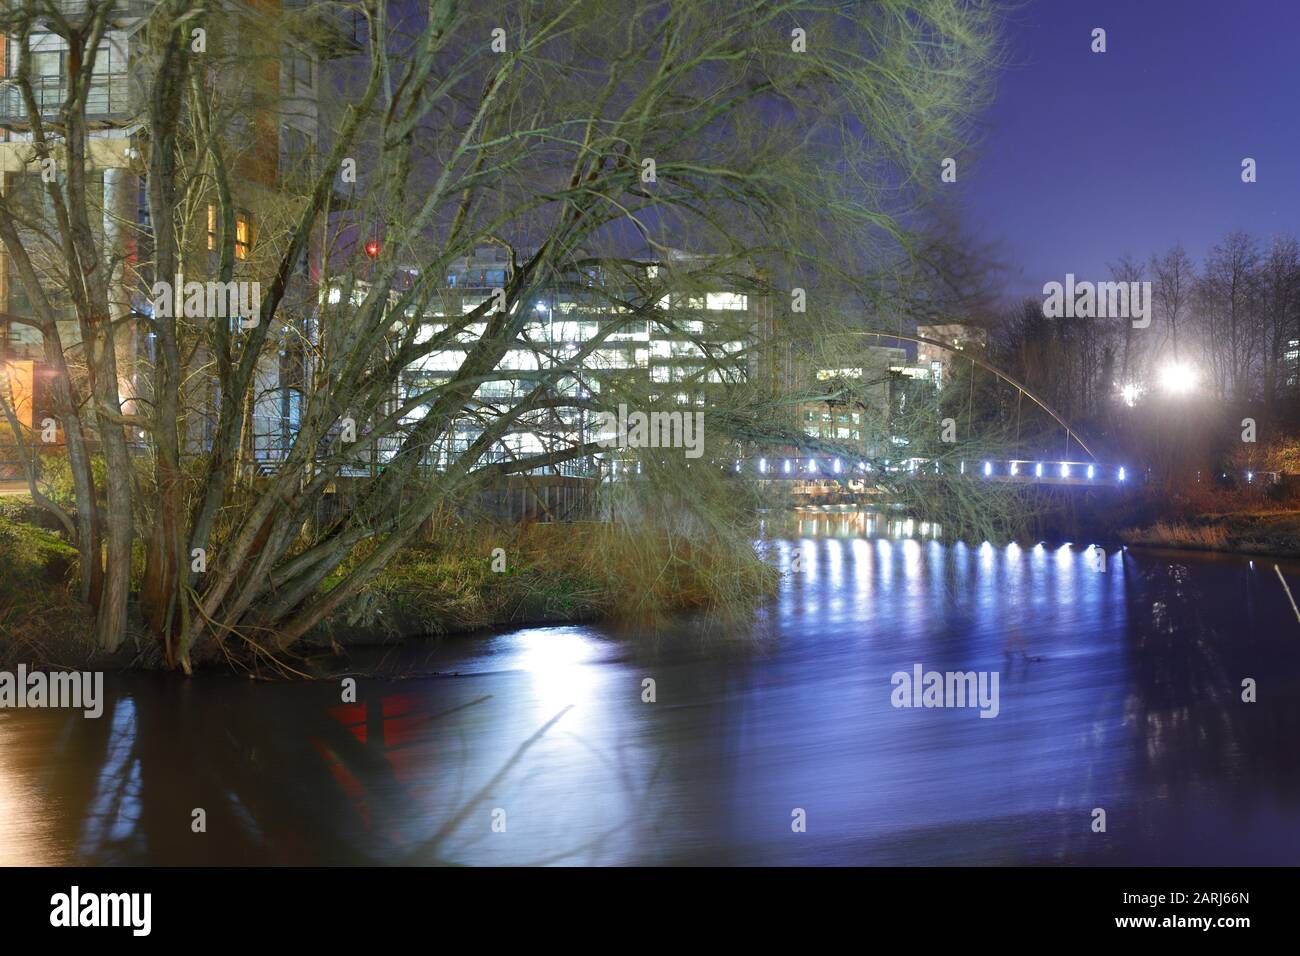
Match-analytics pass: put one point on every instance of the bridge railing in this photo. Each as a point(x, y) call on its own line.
point(1013, 470)
point(831, 468)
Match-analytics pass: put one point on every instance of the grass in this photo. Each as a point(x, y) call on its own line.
point(553, 573)
point(644, 573)
point(1179, 534)
point(1275, 532)
point(40, 613)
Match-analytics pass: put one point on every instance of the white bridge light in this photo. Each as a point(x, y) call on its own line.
point(1038, 470)
point(988, 469)
point(1065, 470)
point(1121, 474)
point(787, 466)
point(762, 466)
point(837, 466)
point(1015, 468)
point(1090, 471)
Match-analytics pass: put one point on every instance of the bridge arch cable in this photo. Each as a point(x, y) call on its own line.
point(1003, 376)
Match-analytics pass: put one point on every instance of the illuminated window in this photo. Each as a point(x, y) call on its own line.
point(727, 300)
point(212, 227)
point(243, 234)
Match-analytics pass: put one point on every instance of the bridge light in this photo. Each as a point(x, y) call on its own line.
point(812, 465)
point(1121, 474)
point(1015, 468)
point(1065, 470)
point(1090, 471)
point(862, 466)
point(737, 464)
point(837, 466)
point(988, 468)
point(1038, 470)
point(1250, 476)
point(963, 467)
point(762, 466)
point(787, 466)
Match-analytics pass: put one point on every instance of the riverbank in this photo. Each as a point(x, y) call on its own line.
point(483, 577)
point(1275, 534)
point(467, 579)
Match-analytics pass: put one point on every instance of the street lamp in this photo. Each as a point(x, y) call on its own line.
point(1178, 378)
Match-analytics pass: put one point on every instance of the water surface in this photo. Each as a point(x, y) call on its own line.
point(1118, 690)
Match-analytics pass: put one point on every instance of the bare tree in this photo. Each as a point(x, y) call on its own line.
point(756, 135)
point(1280, 304)
point(1174, 276)
point(1232, 335)
point(1128, 270)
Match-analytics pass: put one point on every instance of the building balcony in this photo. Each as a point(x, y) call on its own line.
point(108, 101)
point(333, 32)
point(77, 8)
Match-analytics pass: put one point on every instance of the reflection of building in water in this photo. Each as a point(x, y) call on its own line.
point(814, 522)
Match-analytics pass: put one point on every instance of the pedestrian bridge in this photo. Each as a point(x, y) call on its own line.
point(1005, 471)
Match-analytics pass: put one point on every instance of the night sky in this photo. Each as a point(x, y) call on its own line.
point(1086, 156)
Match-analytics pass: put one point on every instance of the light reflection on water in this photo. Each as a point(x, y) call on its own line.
point(1119, 690)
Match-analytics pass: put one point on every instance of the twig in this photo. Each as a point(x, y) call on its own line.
point(1288, 592)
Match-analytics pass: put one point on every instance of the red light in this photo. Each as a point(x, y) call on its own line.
point(372, 248)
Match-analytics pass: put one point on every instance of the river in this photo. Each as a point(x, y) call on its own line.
point(772, 743)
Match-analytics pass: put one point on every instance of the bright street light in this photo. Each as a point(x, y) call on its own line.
point(1178, 378)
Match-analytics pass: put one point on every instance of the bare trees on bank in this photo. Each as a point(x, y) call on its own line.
point(787, 143)
point(1231, 320)
point(1217, 361)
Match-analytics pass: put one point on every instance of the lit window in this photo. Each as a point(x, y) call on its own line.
point(243, 235)
point(727, 300)
point(212, 227)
